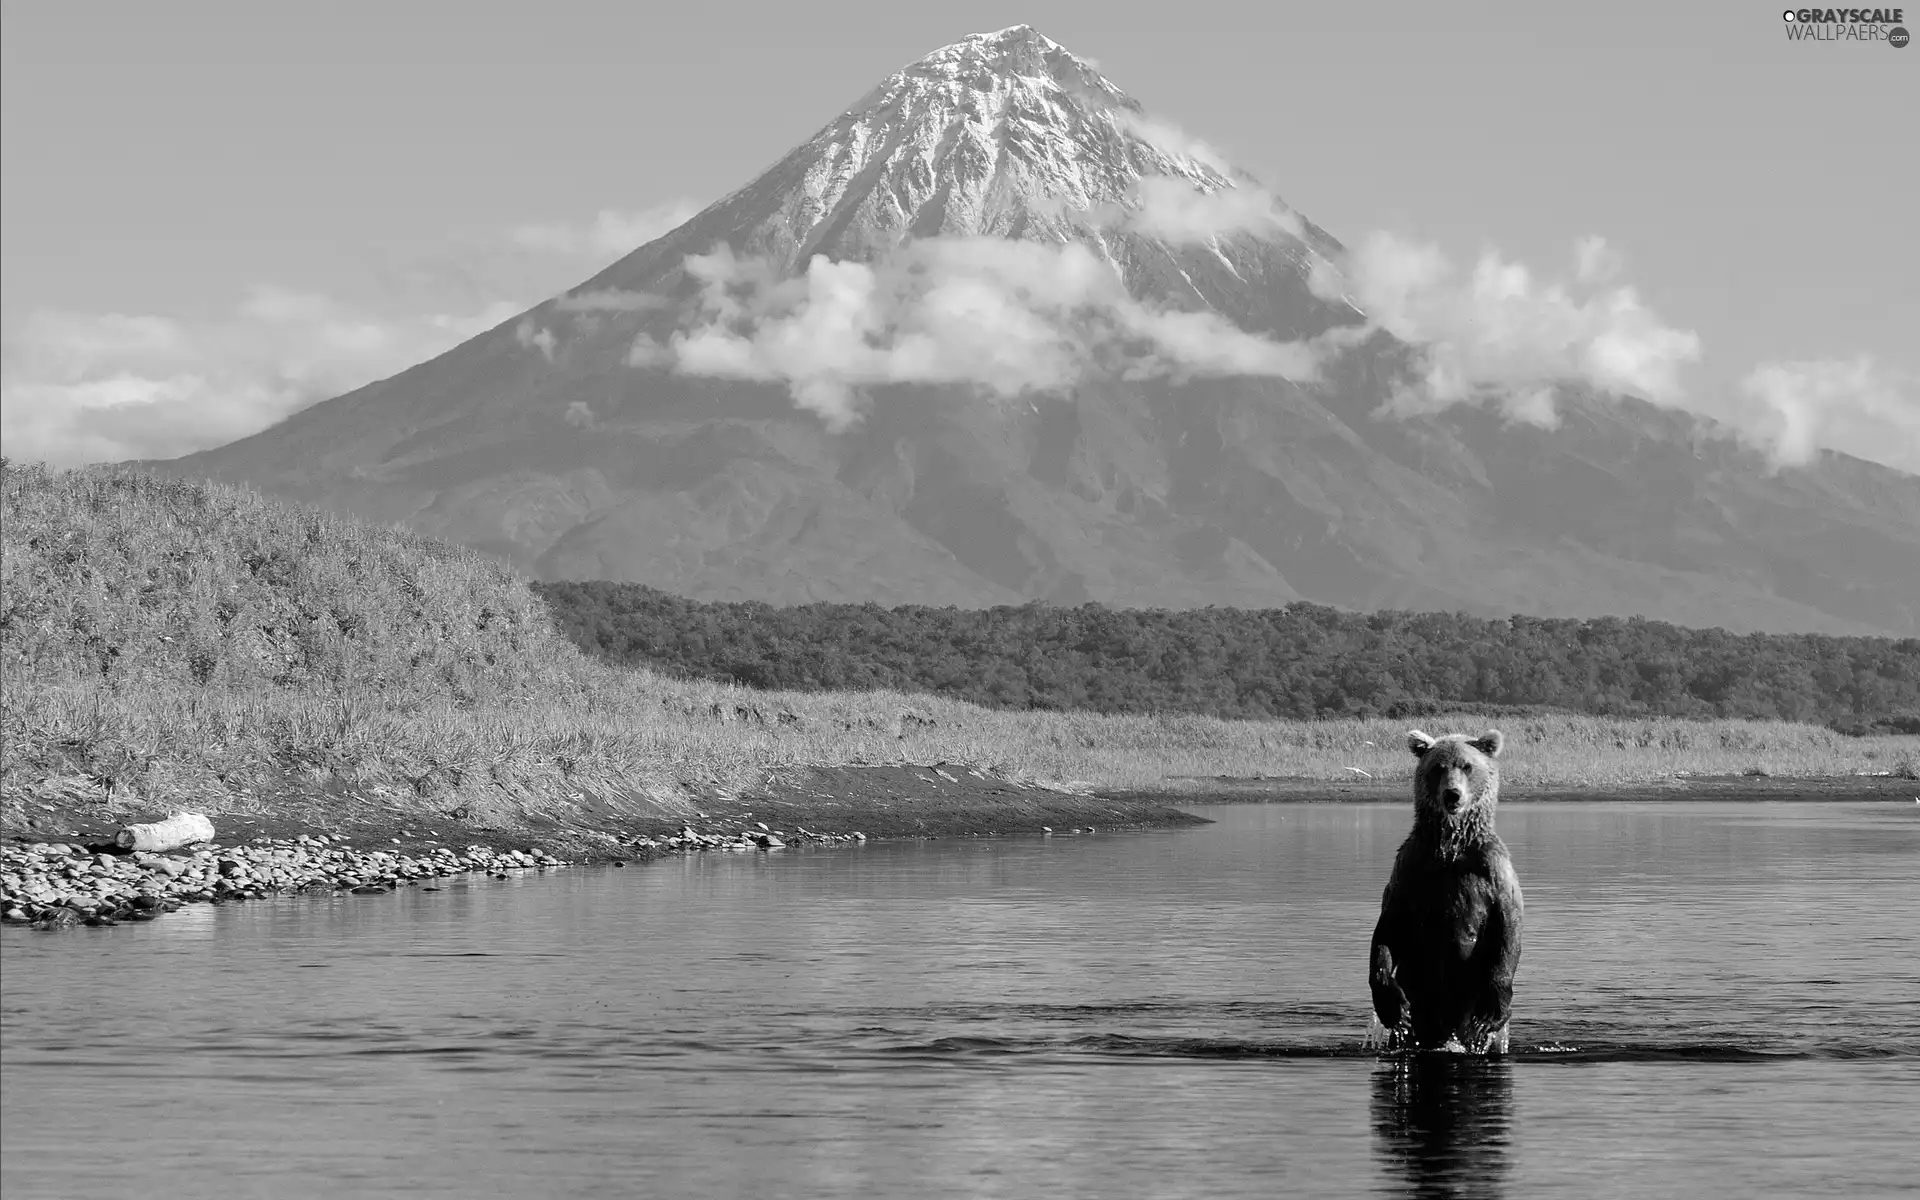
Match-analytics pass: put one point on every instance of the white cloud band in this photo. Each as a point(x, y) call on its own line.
point(1007, 317)
point(78, 388)
point(1499, 332)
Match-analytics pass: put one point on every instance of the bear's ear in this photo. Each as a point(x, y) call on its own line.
point(1489, 743)
point(1419, 743)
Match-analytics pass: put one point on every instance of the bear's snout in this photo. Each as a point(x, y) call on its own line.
point(1453, 798)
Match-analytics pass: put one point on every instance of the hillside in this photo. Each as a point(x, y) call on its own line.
point(997, 334)
point(166, 643)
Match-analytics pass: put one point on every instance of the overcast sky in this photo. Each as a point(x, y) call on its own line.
point(367, 181)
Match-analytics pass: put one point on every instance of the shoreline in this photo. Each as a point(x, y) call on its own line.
point(58, 869)
point(1727, 788)
point(945, 799)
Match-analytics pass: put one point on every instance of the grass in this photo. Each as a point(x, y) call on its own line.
point(164, 641)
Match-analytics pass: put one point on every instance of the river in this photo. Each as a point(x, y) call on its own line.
point(1714, 1000)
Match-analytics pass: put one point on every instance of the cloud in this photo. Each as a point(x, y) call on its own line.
point(1594, 261)
point(1177, 210)
point(611, 233)
point(1196, 193)
point(1500, 334)
point(80, 387)
point(1006, 317)
point(1861, 407)
point(471, 267)
point(1175, 143)
point(531, 337)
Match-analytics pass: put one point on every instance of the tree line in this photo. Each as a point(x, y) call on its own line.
point(1301, 661)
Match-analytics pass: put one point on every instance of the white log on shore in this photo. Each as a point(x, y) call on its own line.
point(180, 829)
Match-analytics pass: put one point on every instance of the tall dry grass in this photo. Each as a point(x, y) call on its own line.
point(166, 641)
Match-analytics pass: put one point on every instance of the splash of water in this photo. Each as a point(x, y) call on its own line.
point(1384, 1040)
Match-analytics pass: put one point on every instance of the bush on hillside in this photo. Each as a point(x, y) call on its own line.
point(165, 639)
point(1303, 661)
point(136, 580)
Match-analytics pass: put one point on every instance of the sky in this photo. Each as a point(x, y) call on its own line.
point(234, 209)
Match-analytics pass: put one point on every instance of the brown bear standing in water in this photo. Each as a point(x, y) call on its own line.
point(1448, 938)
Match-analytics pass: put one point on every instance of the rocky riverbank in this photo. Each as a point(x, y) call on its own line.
point(57, 885)
point(53, 885)
point(59, 867)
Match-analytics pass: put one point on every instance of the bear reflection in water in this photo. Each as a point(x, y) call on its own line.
point(1442, 1125)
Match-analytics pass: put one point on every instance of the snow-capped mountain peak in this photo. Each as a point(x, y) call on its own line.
point(1003, 134)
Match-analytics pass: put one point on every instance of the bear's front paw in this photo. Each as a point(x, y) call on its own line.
point(1491, 1041)
point(1382, 1037)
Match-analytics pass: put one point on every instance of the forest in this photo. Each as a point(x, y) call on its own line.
point(1301, 661)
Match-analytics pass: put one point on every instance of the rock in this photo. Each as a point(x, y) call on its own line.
point(369, 890)
point(57, 918)
point(180, 829)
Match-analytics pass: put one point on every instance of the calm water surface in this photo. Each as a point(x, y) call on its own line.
point(1715, 1000)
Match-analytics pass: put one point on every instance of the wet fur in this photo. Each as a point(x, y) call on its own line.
point(1448, 940)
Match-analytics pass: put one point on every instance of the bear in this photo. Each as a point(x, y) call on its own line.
point(1448, 940)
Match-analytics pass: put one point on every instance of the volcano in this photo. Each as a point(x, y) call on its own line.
point(996, 334)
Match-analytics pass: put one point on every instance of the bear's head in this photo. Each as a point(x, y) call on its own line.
point(1457, 783)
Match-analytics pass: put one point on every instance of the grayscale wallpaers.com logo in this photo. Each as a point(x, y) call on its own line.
point(1846, 25)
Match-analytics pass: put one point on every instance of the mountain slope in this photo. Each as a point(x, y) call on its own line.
point(829, 385)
